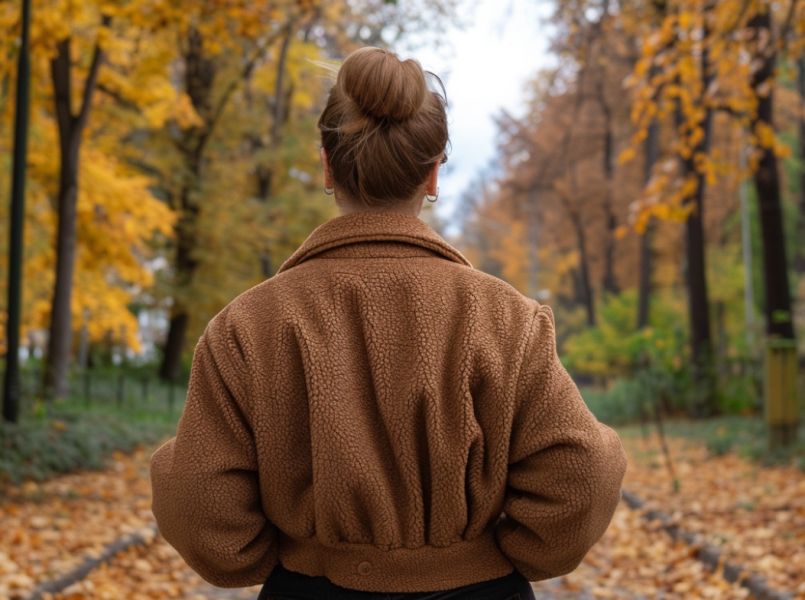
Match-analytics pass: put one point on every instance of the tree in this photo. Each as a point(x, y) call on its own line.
point(71, 124)
point(11, 382)
point(210, 86)
point(108, 263)
point(736, 58)
point(214, 78)
point(800, 255)
point(781, 357)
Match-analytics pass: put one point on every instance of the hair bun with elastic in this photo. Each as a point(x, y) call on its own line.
point(381, 85)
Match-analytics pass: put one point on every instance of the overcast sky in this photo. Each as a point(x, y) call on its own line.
point(484, 66)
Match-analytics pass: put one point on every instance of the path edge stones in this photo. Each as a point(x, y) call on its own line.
point(142, 537)
point(708, 554)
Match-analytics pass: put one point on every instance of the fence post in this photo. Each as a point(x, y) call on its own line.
point(120, 384)
point(87, 387)
point(782, 411)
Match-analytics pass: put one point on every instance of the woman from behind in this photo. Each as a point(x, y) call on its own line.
point(379, 419)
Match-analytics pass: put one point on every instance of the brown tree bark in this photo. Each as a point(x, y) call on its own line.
point(200, 71)
point(651, 151)
point(609, 282)
point(779, 321)
point(782, 414)
point(199, 77)
point(799, 264)
point(704, 400)
point(585, 287)
point(71, 128)
point(280, 113)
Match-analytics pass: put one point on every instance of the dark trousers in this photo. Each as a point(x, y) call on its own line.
point(283, 584)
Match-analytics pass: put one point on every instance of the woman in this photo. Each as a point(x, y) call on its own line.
point(379, 419)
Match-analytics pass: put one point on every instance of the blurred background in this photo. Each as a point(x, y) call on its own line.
point(638, 166)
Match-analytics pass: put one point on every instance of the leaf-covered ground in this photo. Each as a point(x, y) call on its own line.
point(756, 514)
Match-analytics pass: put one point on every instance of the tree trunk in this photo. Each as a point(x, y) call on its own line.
point(172, 360)
point(782, 412)
point(585, 286)
point(71, 128)
point(60, 337)
point(185, 267)
point(282, 99)
point(800, 248)
point(199, 78)
point(704, 397)
point(775, 276)
point(651, 150)
point(699, 305)
point(779, 321)
point(532, 239)
point(609, 282)
point(16, 221)
point(200, 74)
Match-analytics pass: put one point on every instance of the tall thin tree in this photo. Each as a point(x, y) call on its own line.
point(71, 131)
point(11, 382)
point(778, 308)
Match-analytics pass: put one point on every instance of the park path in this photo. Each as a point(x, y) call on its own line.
point(756, 515)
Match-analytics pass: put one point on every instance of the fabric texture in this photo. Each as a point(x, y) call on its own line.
point(381, 413)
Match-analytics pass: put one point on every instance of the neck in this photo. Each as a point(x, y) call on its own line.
point(409, 207)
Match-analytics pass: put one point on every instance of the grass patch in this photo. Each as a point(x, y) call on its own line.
point(81, 433)
point(743, 435)
point(36, 449)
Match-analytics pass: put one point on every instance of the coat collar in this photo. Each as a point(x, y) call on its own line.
point(374, 226)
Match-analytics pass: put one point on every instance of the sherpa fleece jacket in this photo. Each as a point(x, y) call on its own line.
point(382, 413)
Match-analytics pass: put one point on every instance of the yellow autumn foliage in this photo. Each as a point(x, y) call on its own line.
point(675, 86)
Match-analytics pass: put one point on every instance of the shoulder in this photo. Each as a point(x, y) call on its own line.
point(235, 323)
point(499, 294)
point(468, 289)
point(255, 304)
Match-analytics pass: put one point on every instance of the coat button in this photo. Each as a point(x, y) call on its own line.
point(364, 568)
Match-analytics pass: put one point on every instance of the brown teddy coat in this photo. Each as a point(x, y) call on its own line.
point(384, 414)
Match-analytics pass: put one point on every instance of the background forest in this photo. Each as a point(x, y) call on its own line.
point(652, 192)
point(173, 162)
point(654, 195)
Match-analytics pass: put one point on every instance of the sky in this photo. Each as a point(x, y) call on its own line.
point(484, 66)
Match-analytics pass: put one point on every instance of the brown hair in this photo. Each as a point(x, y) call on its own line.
point(383, 128)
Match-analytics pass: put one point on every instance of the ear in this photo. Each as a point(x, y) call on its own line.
point(325, 164)
point(432, 182)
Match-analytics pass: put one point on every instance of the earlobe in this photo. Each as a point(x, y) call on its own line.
point(433, 180)
point(325, 164)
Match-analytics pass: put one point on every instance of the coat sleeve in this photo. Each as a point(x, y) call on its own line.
point(565, 467)
point(205, 489)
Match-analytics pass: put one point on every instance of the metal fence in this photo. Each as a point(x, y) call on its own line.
point(119, 387)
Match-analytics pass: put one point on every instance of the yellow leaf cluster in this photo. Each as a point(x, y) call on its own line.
point(765, 137)
point(675, 48)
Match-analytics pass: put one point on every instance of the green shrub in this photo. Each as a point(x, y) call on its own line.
point(651, 366)
point(739, 395)
point(40, 447)
point(720, 444)
point(615, 348)
point(619, 405)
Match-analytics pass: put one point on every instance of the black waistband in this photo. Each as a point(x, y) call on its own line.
point(285, 584)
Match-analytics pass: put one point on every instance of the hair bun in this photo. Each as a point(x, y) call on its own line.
point(381, 85)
